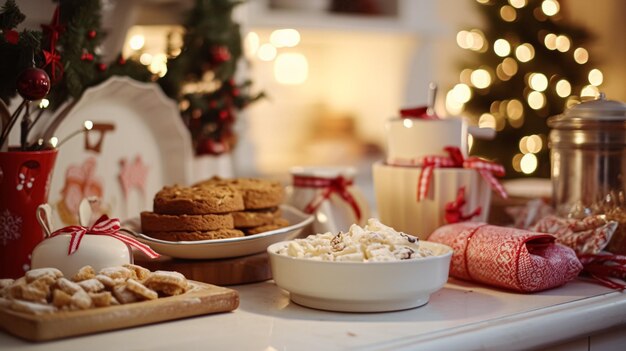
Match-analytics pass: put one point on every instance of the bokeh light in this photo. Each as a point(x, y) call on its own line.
point(581, 56)
point(525, 52)
point(528, 163)
point(550, 7)
point(550, 41)
point(563, 88)
point(538, 81)
point(502, 47)
point(536, 100)
point(480, 78)
point(508, 13)
point(595, 77)
point(285, 38)
point(563, 43)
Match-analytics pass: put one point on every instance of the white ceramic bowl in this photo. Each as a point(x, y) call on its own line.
point(361, 286)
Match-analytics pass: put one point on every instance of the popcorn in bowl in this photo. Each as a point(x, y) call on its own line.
point(375, 242)
point(359, 270)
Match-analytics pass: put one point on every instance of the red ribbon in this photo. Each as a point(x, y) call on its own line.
point(420, 112)
point(103, 226)
point(338, 185)
point(52, 57)
point(487, 169)
point(603, 267)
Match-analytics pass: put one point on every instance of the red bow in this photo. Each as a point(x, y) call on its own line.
point(487, 169)
point(338, 185)
point(52, 57)
point(103, 226)
point(420, 112)
point(603, 267)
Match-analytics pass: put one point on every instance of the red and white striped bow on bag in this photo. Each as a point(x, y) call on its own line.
point(487, 169)
point(103, 226)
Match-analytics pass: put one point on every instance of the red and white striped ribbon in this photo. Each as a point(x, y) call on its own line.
point(103, 226)
point(487, 169)
point(338, 185)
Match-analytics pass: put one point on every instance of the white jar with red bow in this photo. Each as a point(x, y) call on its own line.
point(329, 193)
point(99, 246)
point(428, 180)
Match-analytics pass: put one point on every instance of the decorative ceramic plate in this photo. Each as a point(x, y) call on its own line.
point(138, 144)
point(231, 247)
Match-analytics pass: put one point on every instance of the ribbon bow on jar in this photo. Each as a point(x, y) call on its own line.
point(487, 169)
point(338, 185)
point(103, 226)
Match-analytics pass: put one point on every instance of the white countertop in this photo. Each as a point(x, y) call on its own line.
point(460, 316)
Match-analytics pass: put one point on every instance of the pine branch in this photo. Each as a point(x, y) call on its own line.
point(10, 15)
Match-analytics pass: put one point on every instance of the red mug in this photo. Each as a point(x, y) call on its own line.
point(24, 183)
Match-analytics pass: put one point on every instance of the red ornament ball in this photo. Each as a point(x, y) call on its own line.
point(91, 34)
point(102, 67)
point(33, 84)
point(220, 54)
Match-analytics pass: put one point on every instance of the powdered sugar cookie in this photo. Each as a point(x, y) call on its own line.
point(68, 286)
point(92, 285)
point(140, 290)
point(34, 274)
point(140, 273)
point(86, 272)
point(169, 283)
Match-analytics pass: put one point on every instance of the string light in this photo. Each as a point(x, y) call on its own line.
point(285, 38)
point(534, 144)
point(462, 93)
point(538, 81)
point(251, 44)
point(562, 43)
point(509, 66)
point(550, 7)
point(517, 160)
point(515, 109)
point(137, 42)
point(528, 163)
point(480, 78)
point(581, 56)
point(44, 103)
point(266, 52)
point(518, 4)
point(472, 40)
point(525, 52)
point(508, 13)
point(522, 145)
point(145, 59)
point(595, 77)
point(502, 47)
point(589, 90)
point(550, 41)
point(536, 100)
point(487, 120)
point(563, 88)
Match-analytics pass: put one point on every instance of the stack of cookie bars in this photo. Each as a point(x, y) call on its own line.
point(215, 209)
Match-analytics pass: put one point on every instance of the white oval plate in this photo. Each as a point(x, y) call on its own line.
point(231, 247)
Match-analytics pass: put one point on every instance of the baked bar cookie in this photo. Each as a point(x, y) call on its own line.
point(153, 222)
point(257, 193)
point(195, 236)
point(178, 200)
point(277, 224)
point(255, 218)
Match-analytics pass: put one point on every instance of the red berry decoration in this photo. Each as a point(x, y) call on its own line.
point(121, 60)
point(86, 56)
point(102, 67)
point(220, 54)
point(91, 34)
point(33, 84)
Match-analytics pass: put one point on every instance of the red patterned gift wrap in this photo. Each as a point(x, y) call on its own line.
point(508, 258)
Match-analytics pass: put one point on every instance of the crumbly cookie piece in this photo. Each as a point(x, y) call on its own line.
point(154, 222)
point(124, 295)
point(195, 236)
point(84, 273)
point(31, 307)
point(68, 286)
point(141, 273)
point(166, 282)
point(277, 224)
point(61, 299)
point(255, 218)
point(6, 283)
point(107, 281)
point(102, 299)
point(178, 200)
point(141, 290)
point(117, 272)
point(81, 300)
point(92, 285)
point(34, 274)
point(257, 193)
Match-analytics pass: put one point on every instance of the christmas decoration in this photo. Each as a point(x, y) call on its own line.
point(529, 63)
point(33, 84)
point(201, 77)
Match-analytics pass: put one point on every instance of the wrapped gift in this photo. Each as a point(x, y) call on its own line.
point(507, 257)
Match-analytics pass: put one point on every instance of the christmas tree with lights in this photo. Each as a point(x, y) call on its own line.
point(201, 76)
point(528, 63)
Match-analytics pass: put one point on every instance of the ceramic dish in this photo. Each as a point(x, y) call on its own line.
point(231, 247)
point(361, 286)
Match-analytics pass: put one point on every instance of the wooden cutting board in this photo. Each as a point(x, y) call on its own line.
point(226, 271)
point(201, 299)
